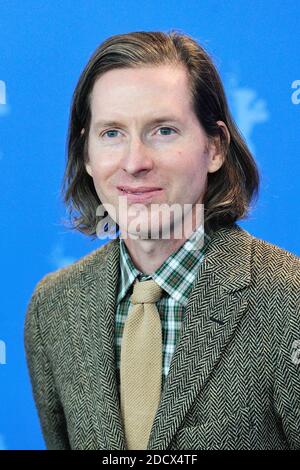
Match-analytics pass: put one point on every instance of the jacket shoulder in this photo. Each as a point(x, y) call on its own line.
point(276, 266)
point(269, 254)
point(67, 277)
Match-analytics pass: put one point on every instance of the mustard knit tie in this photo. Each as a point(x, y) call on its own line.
point(141, 364)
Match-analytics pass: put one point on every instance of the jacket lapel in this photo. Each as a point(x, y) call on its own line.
point(98, 317)
point(217, 302)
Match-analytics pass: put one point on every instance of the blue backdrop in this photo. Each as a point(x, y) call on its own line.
point(44, 44)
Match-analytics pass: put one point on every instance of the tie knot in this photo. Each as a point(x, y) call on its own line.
point(146, 292)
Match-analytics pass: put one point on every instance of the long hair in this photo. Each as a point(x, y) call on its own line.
point(229, 190)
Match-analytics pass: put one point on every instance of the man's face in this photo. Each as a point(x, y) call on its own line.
point(144, 133)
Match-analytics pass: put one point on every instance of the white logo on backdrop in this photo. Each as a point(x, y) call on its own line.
point(2, 92)
point(296, 94)
point(58, 259)
point(2, 352)
point(4, 108)
point(248, 110)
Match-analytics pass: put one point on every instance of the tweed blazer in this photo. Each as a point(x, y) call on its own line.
point(234, 378)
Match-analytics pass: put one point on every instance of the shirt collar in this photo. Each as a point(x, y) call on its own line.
point(177, 273)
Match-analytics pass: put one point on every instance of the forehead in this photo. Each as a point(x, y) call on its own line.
point(134, 90)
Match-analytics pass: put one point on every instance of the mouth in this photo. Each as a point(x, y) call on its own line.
point(139, 194)
point(138, 189)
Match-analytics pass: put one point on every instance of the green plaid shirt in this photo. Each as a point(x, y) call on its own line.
point(176, 277)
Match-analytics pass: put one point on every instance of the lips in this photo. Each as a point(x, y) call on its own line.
point(138, 190)
point(139, 194)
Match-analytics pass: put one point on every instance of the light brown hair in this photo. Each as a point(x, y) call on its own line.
point(230, 190)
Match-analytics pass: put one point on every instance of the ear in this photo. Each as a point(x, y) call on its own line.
point(215, 154)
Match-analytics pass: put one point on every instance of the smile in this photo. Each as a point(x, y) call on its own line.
point(140, 194)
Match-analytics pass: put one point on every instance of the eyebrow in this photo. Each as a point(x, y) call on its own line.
point(158, 120)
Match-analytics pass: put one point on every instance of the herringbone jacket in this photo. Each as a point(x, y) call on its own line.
point(234, 379)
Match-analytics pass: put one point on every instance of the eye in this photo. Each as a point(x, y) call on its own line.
point(110, 133)
point(166, 130)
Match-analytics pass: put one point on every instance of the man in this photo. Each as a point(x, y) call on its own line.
point(164, 338)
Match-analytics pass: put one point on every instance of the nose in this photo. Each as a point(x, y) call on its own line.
point(136, 158)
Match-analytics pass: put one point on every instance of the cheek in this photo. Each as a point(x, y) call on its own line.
point(102, 168)
point(189, 173)
point(101, 161)
point(189, 166)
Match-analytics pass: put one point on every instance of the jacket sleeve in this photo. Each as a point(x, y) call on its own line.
point(287, 379)
point(47, 401)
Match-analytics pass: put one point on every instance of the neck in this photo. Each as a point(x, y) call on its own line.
point(149, 254)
